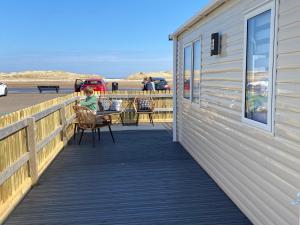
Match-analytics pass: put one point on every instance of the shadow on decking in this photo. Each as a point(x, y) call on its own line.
point(143, 179)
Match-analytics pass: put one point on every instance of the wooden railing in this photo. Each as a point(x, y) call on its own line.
point(31, 138)
point(163, 104)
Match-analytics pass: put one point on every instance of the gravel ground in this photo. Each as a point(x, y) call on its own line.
point(14, 102)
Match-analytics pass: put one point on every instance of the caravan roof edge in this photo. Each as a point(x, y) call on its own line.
point(196, 18)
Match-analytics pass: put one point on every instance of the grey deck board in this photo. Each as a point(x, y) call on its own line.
point(143, 179)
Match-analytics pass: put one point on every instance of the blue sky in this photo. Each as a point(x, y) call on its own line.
point(110, 37)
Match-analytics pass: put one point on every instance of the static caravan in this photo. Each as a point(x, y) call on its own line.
point(237, 102)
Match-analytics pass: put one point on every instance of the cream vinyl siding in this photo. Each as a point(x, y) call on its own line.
point(288, 75)
point(259, 170)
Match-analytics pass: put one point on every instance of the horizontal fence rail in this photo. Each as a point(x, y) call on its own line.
point(31, 138)
point(163, 104)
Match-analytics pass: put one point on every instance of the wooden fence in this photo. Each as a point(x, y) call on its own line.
point(31, 138)
point(163, 104)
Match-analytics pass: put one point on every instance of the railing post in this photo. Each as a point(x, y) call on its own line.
point(63, 122)
point(31, 143)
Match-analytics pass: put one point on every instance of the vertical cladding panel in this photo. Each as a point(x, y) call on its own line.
point(179, 89)
point(288, 81)
point(175, 87)
point(258, 170)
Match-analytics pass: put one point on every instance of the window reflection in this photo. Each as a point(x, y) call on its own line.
point(187, 72)
point(257, 70)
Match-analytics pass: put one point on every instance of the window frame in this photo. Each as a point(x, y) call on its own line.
point(249, 15)
point(191, 44)
point(193, 70)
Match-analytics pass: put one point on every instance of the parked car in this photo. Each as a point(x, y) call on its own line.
point(161, 84)
point(3, 89)
point(187, 87)
point(97, 84)
point(78, 84)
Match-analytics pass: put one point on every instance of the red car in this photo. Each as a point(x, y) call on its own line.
point(97, 84)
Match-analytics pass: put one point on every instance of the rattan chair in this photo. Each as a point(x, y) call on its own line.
point(88, 120)
point(144, 105)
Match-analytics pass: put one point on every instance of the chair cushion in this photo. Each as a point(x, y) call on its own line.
point(144, 105)
point(104, 104)
point(116, 105)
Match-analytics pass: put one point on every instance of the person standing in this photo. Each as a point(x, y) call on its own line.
point(145, 81)
point(149, 85)
point(152, 83)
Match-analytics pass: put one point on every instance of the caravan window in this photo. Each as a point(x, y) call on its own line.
point(258, 69)
point(187, 72)
point(192, 72)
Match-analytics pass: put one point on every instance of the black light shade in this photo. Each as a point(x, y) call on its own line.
point(215, 44)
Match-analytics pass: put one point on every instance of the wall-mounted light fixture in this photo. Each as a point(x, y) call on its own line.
point(215, 48)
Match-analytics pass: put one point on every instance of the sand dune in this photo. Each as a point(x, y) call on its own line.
point(69, 76)
point(31, 79)
point(139, 76)
point(44, 75)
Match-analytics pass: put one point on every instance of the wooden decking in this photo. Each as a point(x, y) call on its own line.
point(143, 179)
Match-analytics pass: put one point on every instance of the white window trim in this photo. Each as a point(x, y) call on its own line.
point(191, 44)
point(263, 8)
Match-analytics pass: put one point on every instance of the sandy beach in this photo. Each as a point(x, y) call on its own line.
point(31, 79)
point(123, 84)
point(34, 84)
